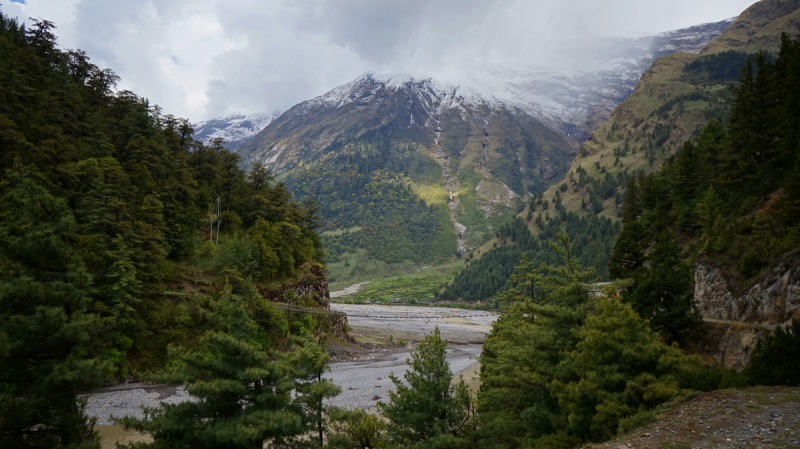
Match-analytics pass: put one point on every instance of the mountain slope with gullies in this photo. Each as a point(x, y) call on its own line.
point(408, 170)
point(412, 172)
point(674, 99)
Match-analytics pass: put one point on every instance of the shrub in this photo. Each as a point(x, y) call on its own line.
point(776, 359)
point(714, 378)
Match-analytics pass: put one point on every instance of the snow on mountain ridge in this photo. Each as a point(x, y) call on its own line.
point(562, 96)
point(552, 97)
point(569, 95)
point(234, 129)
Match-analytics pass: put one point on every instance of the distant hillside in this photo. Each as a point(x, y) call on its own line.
point(407, 170)
point(673, 100)
point(411, 172)
point(759, 27)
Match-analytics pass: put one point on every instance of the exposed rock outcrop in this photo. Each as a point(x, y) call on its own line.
point(313, 284)
point(774, 299)
point(311, 289)
point(730, 344)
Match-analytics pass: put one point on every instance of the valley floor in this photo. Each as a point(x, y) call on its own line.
point(364, 381)
point(383, 322)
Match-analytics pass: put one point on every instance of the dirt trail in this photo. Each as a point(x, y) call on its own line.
point(745, 323)
point(349, 290)
point(759, 417)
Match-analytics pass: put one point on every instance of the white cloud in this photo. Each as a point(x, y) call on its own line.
point(205, 58)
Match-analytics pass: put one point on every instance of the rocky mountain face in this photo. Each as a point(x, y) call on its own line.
point(568, 99)
point(473, 151)
point(469, 158)
point(740, 317)
point(234, 129)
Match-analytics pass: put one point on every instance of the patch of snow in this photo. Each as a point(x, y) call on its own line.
point(234, 129)
point(561, 94)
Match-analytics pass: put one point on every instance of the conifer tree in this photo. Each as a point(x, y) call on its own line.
point(618, 368)
point(776, 358)
point(629, 251)
point(245, 391)
point(523, 352)
point(46, 322)
point(662, 291)
point(426, 410)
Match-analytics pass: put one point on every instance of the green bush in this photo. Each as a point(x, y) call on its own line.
point(714, 378)
point(636, 421)
point(776, 359)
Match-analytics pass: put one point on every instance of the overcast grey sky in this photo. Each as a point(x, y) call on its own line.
point(206, 58)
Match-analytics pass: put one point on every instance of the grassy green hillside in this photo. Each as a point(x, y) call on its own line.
point(674, 99)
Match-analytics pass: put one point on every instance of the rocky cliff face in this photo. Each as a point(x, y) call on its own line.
point(773, 299)
point(745, 316)
point(311, 290)
point(313, 285)
point(731, 345)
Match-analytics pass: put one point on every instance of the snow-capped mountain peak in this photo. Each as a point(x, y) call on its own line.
point(567, 98)
point(234, 129)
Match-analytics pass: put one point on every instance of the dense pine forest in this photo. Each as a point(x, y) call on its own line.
point(108, 272)
point(592, 240)
point(104, 226)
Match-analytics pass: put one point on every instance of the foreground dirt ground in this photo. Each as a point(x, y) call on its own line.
point(760, 417)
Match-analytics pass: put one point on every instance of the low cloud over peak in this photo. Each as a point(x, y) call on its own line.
point(207, 58)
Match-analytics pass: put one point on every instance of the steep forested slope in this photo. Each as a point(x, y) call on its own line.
point(672, 102)
point(104, 251)
point(733, 194)
point(408, 171)
point(136, 186)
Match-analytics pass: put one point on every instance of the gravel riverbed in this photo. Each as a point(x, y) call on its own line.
point(363, 382)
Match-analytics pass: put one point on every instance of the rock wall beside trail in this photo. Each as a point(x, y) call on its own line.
point(731, 345)
point(313, 285)
point(773, 299)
